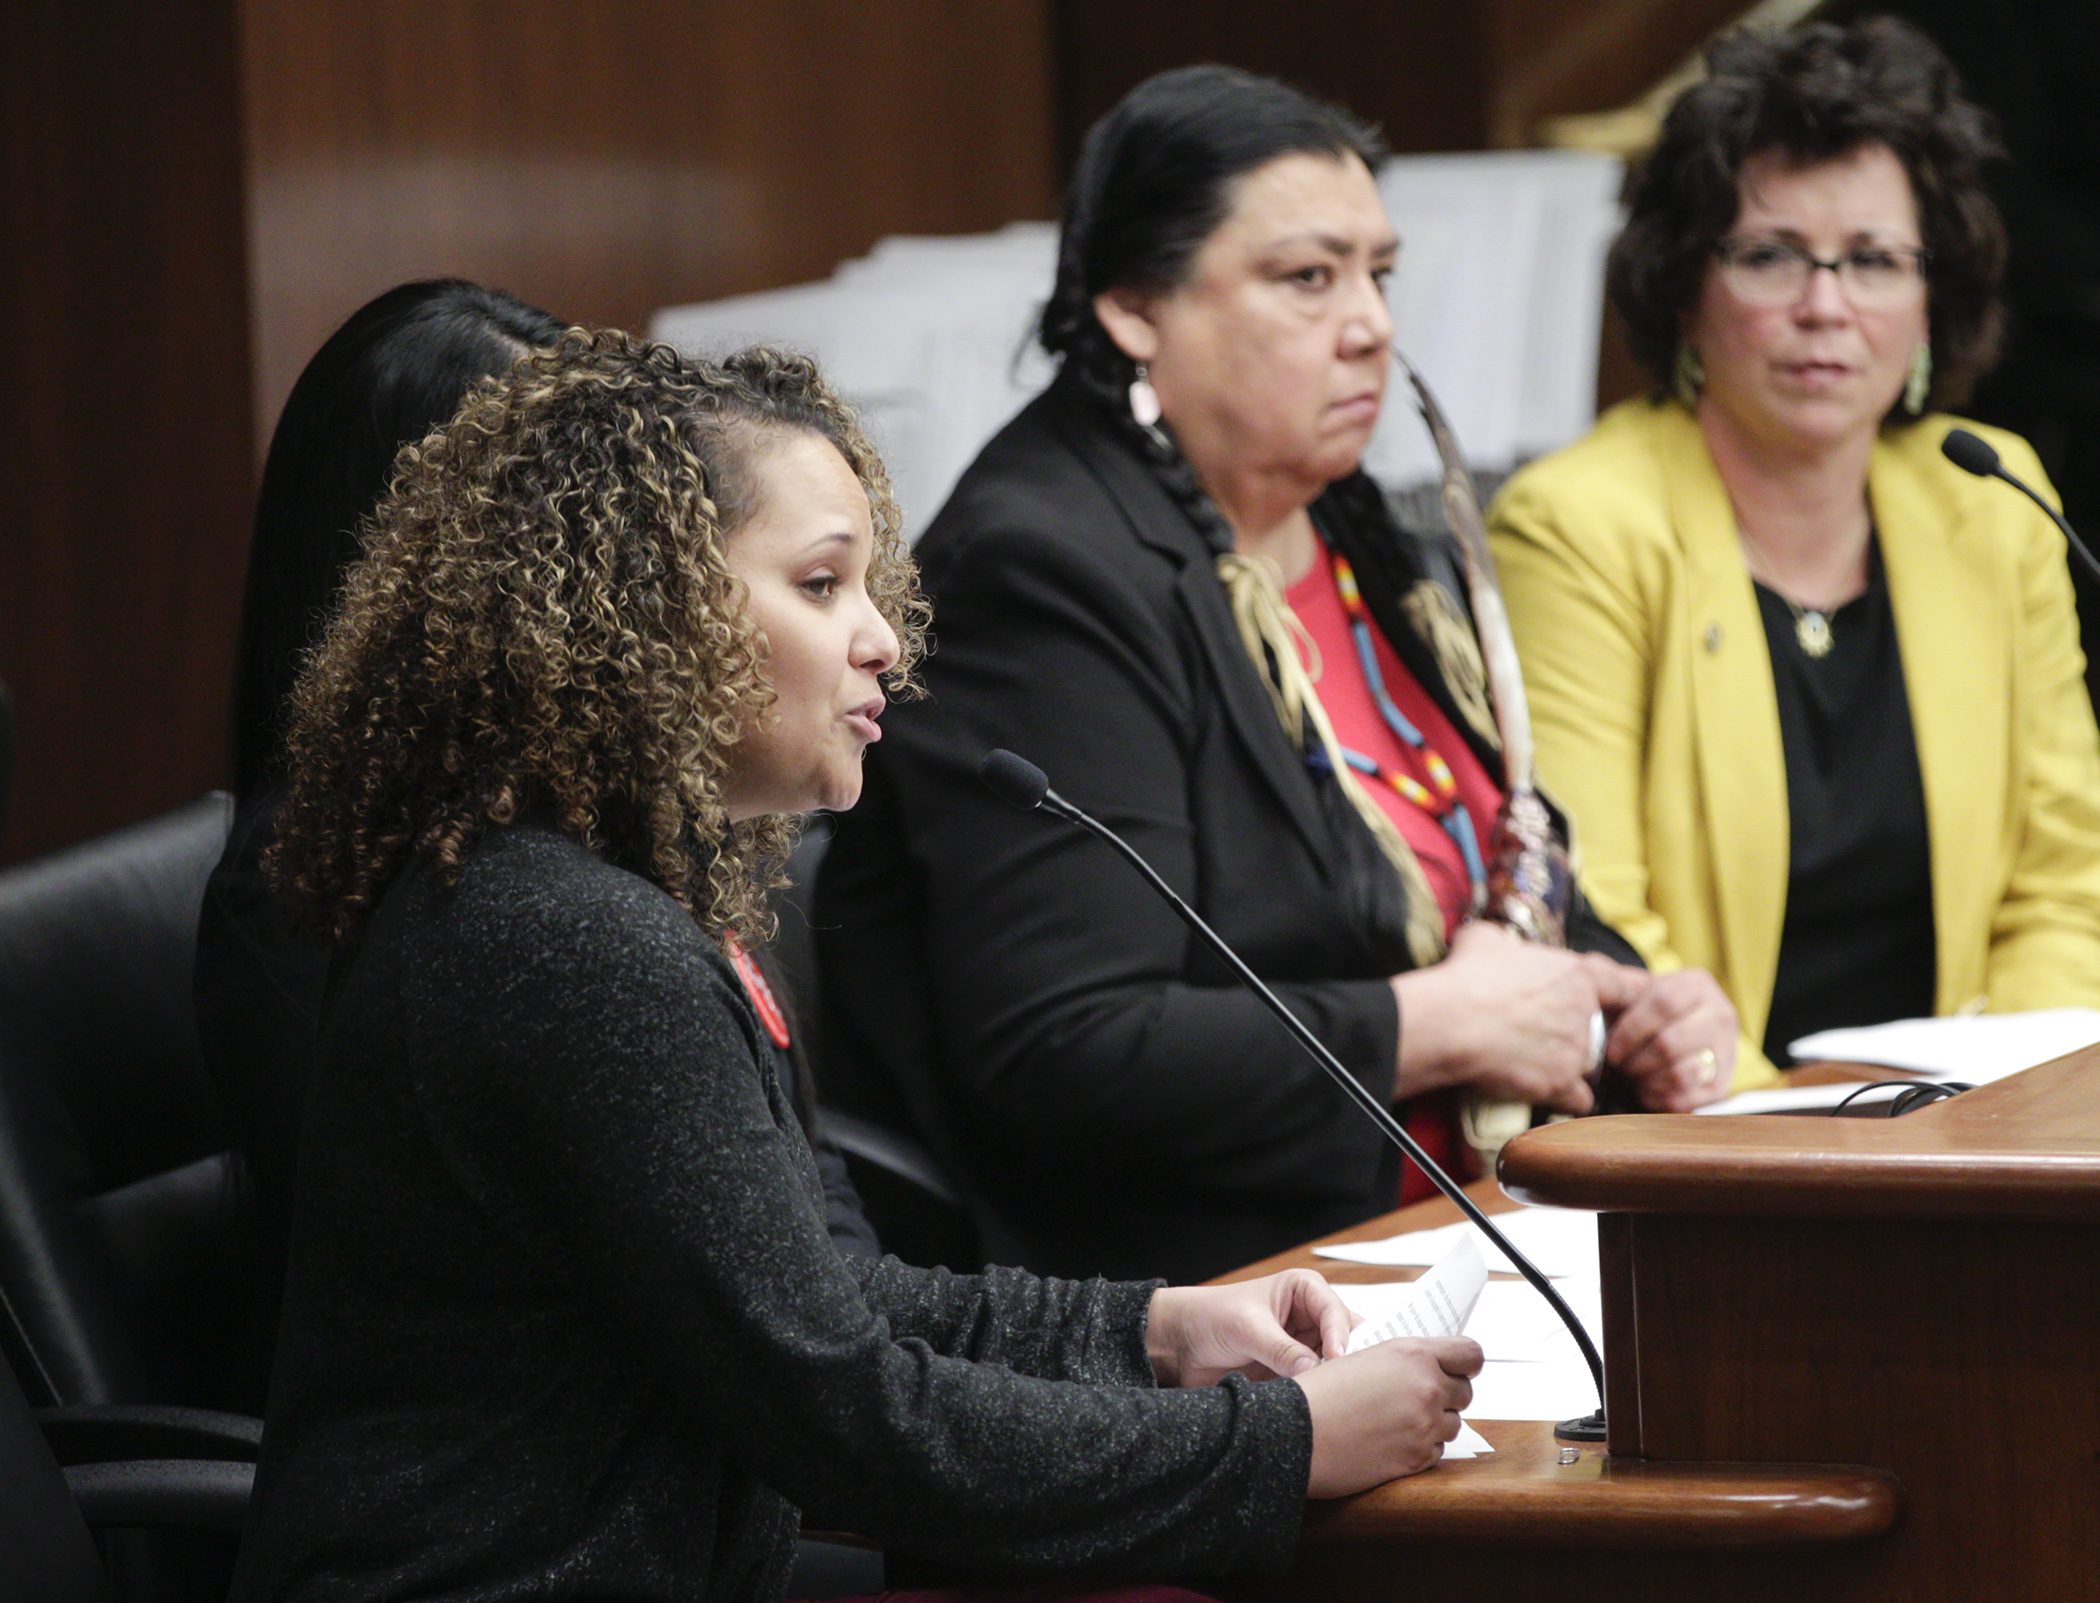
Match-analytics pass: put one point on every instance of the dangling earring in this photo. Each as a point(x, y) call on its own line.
point(1144, 400)
point(1689, 378)
point(1919, 384)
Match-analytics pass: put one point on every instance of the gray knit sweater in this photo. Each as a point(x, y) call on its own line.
point(563, 1320)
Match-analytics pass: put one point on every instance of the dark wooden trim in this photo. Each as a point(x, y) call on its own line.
point(1522, 1495)
point(2027, 1147)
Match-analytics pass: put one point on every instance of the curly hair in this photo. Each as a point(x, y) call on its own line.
point(544, 618)
point(1815, 94)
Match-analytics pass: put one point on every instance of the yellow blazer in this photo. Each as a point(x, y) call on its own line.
point(1658, 728)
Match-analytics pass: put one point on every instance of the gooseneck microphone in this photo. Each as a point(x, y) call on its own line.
point(1019, 783)
point(1974, 454)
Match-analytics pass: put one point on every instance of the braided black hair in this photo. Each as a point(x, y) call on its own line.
point(1155, 179)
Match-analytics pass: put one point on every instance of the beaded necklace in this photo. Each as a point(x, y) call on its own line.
point(1441, 803)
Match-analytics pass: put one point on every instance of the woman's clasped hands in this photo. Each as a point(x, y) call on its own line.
point(1673, 1035)
point(1381, 1413)
point(1513, 1019)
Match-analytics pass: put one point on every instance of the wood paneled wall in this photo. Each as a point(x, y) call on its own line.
point(126, 411)
point(1434, 74)
point(1551, 58)
point(603, 160)
point(198, 191)
point(1415, 67)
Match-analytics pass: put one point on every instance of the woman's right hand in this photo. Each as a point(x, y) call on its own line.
point(1501, 1014)
point(1386, 1411)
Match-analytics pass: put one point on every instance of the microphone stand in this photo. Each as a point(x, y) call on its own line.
point(1015, 781)
point(1974, 454)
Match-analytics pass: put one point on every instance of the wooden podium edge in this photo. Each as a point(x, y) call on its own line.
point(2025, 1147)
point(1521, 1495)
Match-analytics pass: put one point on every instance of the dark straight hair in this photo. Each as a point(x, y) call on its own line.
point(391, 374)
point(1155, 179)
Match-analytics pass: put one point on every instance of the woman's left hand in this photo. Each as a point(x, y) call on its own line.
point(1674, 1038)
point(1282, 1324)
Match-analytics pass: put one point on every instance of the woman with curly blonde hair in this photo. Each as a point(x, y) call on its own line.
point(563, 1319)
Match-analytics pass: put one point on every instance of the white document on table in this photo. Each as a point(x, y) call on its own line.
point(1437, 1304)
point(1533, 1370)
point(1561, 1241)
point(1975, 1047)
point(1972, 1048)
point(1804, 1098)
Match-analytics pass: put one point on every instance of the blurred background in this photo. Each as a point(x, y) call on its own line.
point(197, 193)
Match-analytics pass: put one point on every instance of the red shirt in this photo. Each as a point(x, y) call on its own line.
point(1358, 725)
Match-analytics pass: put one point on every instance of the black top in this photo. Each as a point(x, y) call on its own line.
point(257, 994)
point(563, 1320)
point(1116, 1101)
point(1858, 944)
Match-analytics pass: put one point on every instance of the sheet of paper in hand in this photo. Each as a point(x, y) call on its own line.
point(1438, 1304)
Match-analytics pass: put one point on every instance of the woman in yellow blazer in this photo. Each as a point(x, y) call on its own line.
point(1725, 596)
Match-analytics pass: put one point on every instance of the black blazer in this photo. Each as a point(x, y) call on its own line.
point(1115, 1102)
point(257, 988)
point(563, 1321)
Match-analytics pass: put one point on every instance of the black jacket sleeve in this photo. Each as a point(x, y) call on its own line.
point(591, 1074)
point(1073, 1016)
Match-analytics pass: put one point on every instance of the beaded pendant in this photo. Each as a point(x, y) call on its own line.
point(1812, 630)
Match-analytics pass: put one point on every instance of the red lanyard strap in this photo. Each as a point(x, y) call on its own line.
point(760, 993)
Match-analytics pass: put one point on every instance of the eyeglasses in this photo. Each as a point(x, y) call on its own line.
point(1776, 272)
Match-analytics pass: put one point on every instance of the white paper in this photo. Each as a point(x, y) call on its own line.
point(1533, 1369)
point(1561, 1241)
point(1976, 1047)
point(1533, 1391)
point(1437, 1304)
point(1515, 1325)
point(1468, 1443)
point(1801, 1098)
point(1497, 301)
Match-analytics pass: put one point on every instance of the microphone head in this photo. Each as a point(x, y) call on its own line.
point(1969, 453)
point(1014, 780)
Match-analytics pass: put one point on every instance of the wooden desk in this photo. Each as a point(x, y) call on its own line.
point(1845, 1359)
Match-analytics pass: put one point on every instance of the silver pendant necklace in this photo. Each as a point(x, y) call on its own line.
point(1812, 631)
point(1811, 628)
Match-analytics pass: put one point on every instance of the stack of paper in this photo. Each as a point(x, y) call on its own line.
point(1976, 1047)
point(1497, 300)
point(1437, 1304)
point(1560, 1241)
point(1973, 1048)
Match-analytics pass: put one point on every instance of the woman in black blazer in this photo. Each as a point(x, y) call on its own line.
point(1109, 582)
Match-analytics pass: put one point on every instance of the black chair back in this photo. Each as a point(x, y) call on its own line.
point(120, 1218)
point(908, 1194)
point(45, 1549)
